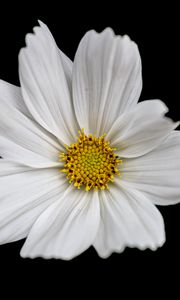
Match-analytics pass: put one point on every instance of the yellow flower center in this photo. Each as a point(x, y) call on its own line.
point(90, 162)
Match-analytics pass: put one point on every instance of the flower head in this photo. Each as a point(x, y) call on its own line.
point(84, 163)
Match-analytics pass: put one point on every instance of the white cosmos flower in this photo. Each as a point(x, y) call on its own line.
point(57, 98)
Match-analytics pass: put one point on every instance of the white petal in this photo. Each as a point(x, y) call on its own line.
point(128, 219)
point(22, 139)
point(45, 86)
point(106, 79)
point(10, 168)
point(67, 67)
point(12, 94)
point(141, 129)
point(66, 228)
point(157, 173)
point(24, 195)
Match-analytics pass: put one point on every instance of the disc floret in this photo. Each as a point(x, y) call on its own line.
point(90, 162)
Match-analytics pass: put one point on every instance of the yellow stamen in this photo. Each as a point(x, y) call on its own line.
point(90, 162)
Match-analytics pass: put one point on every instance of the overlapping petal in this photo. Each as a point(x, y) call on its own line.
point(24, 194)
point(128, 219)
point(45, 78)
point(141, 129)
point(157, 174)
point(106, 81)
point(21, 138)
point(13, 96)
point(66, 228)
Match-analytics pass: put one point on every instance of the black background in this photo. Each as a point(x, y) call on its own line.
point(155, 29)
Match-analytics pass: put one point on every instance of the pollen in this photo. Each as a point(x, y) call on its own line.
point(90, 162)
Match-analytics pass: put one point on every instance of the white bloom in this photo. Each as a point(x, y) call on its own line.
point(99, 93)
